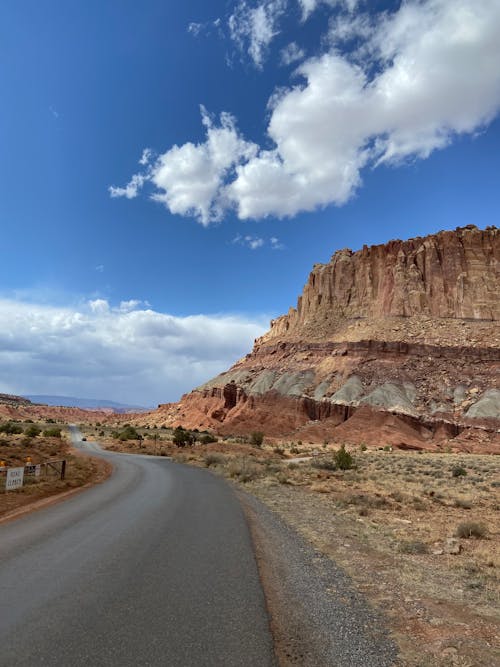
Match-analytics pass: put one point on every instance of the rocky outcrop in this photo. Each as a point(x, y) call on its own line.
point(452, 274)
point(402, 339)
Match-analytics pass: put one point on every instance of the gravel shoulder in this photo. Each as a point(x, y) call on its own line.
point(318, 619)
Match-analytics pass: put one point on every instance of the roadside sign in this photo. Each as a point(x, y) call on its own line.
point(32, 470)
point(14, 479)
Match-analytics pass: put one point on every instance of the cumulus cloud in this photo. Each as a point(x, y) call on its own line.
point(253, 28)
point(389, 87)
point(189, 178)
point(128, 353)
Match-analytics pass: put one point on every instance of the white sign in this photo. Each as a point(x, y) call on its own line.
point(14, 479)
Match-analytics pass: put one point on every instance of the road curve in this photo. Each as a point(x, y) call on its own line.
point(153, 567)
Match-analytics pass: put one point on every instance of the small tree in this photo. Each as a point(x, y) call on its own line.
point(256, 439)
point(181, 437)
point(343, 459)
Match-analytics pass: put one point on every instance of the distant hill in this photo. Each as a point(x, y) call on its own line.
point(84, 403)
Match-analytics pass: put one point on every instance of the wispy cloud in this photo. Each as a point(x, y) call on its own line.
point(255, 242)
point(292, 53)
point(253, 27)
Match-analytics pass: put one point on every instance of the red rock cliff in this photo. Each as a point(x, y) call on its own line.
point(452, 274)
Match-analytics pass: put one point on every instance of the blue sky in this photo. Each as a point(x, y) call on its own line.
point(271, 132)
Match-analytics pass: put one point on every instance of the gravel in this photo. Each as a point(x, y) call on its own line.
point(318, 619)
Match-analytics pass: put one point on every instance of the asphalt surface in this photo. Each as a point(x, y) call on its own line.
point(153, 567)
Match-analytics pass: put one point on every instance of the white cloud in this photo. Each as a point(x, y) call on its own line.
point(309, 6)
point(292, 53)
point(419, 77)
point(132, 355)
point(189, 178)
point(129, 306)
point(131, 190)
point(254, 28)
point(254, 242)
point(146, 156)
point(195, 28)
point(99, 306)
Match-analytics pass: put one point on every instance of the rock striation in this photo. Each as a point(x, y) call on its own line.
point(393, 344)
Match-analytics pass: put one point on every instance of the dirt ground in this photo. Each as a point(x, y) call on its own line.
point(14, 450)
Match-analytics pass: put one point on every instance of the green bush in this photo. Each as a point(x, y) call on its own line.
point(207, 439)
point(181, 437)
point(52, 433)
point(32, 431)
point(458, 471)
point(343, 459)
point(11, 428)
point(127, 433)
point(256, 439)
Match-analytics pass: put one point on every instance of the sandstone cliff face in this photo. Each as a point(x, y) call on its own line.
point(404, 336)
point(446, 275)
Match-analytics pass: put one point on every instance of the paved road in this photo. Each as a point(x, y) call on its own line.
point(153, 567)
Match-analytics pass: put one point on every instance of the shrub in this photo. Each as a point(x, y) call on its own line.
point(470, 529)
point(214, 460)
point(458, 471)
point(363, 447)
point(324, 464)
point(127, 433)
point(11, 428)
point(52, 432)
point(278, 450)
point(207, 439)
point(243, 470)
point(413, 547)
point(256, 439)
point(181, 437)
point(343, 459)
point(32, 431)
point(463, 504)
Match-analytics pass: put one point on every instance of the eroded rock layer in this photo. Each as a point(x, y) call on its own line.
point(394, 344)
